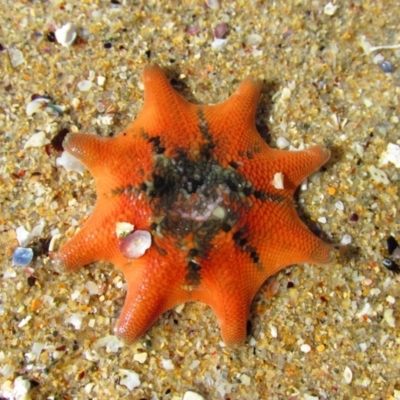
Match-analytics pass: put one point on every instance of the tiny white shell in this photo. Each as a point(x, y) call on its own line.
point(135, 244)
point(70, 163)
point(37, 140)
point(278, 180)
point(66, 34)
point(35, 105)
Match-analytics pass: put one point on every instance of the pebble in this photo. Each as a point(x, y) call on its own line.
point(140, 357)
point(305, 348)
point(346, 239)
point(386, 66)
point(22, 256)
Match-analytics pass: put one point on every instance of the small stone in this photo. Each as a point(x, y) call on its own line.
point(22, 257)
point(282, 142)
point(386, 66)
point(391, 265)
point(346, 239)
point(305, 348)
point(85, 85)
point(339, 205)
point(92, 287)
point(140, 357)
point(167, 364)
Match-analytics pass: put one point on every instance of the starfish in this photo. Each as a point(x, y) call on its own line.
point(210, 202)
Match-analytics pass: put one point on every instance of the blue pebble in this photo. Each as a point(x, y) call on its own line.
point(22, 256)
point(386, 66)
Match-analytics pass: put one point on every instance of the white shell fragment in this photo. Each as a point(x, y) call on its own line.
point(66, 34)
point(330, 9)
point(286, 93)
point(131, 379)
point(36, 105)
point(123, 229)
point(347, 375)
point(389, 318)
point(37, 140)
point(391, 155)
point(16, 57)
point(305, 348)
point(277, 182)
point(219, 44)
point(135, 244)
point(85, 85)
point(70, 163)
point(378, 175)
point(189, 395)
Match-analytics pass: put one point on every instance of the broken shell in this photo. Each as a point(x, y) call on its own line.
point(135, 244)
point(66, 34)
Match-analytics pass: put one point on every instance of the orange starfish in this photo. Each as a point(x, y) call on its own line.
point(209, 190)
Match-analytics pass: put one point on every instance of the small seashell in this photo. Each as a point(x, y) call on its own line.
point(66, 35)
point(37, 140)
point(347, 375)
point(123, 229)
point(282, 142)
point(254, 39)
point(135, 244)
point(220, 30)
point(85, 85)
point(70, 163)
point(219, 44)
point(36, 105)
point(213, 4)
point(330, 9)
point(286, 93)
point(277, 182)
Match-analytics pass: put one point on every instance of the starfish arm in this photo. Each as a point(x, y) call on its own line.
point(231, 123)
point(165, 112)
point(152, 290)
point(89, 149)
point(232, 315)
point(288, 242)
point(297, 165)
point(95, 241)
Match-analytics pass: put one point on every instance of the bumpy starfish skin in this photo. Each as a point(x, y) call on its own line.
point(199, 179)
